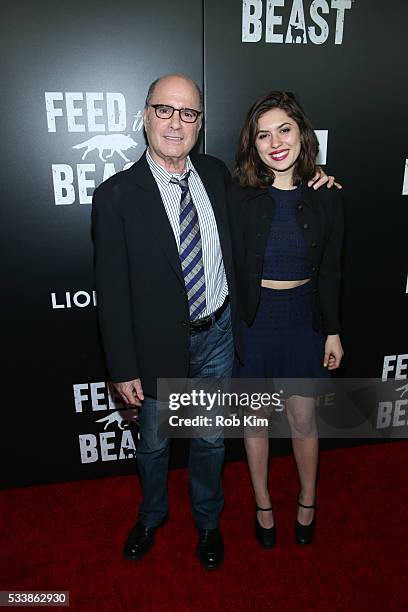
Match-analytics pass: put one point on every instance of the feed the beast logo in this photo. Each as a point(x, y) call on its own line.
point(294, 21)
point(111, 438)
point(393, 413)
point(104, 145)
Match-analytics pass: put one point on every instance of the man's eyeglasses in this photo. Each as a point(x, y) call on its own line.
point(163, 111)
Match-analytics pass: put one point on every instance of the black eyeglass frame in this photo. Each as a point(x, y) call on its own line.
point(156, 106)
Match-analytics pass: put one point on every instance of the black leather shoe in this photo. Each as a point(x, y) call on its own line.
point(140, 540)
point(266, 536)
point(304, 533)
point(210, 549)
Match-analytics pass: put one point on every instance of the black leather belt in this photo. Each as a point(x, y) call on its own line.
point(205, 323)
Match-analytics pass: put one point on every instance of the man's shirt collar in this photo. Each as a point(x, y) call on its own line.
point(162, 175)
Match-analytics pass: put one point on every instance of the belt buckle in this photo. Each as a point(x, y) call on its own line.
point(209, 320)
point(202, 325)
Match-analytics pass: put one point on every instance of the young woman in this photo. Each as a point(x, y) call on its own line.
point(287, 242)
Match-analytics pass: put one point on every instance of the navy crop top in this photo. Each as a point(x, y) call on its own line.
point(285, 255)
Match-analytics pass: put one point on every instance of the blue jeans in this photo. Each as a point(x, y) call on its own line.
point(211, 355)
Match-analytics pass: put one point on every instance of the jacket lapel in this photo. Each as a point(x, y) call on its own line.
point(154, 209)
point(216, 196)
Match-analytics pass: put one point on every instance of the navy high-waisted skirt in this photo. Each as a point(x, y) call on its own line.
point(281, 342)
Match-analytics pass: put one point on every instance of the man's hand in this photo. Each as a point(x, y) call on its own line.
point(333, 352)
point(321, 178)
point(131, 391)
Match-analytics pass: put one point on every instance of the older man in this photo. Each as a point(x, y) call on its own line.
point(166, 297)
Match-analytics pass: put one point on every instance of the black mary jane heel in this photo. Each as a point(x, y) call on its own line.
point(266, 536)
point(304, 533)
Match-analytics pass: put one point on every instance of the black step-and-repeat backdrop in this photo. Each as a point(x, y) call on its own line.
point(75, 76)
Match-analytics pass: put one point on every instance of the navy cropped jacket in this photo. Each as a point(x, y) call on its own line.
point(320, 217)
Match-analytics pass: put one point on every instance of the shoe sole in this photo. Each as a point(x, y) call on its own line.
point(129, 557)
point(210, 567)
point(266, 546)
point(133, 557)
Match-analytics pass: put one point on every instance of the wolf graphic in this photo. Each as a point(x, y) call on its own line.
point(116, 143)
point(404, 390)
point(113, 417)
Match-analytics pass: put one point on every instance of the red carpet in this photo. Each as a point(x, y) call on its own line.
point(70, 537)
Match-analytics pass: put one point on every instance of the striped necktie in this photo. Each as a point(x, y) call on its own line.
point(191, 252)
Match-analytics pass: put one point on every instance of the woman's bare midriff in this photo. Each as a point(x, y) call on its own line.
point(281, 284)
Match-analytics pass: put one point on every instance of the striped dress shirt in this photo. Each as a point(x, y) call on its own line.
point(216, 287)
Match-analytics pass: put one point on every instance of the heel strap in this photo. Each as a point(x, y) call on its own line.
point(262, 509)
point(304, 506)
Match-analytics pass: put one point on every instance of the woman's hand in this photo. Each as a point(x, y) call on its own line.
point(321, 178)
point(333, 352)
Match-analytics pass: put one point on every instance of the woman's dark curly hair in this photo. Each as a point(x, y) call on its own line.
point(250, 170)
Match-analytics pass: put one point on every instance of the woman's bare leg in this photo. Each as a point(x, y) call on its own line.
point(305, 443)
point(257, 450)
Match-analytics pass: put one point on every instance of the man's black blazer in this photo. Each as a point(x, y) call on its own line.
point(142, 301)
point(320, 217)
